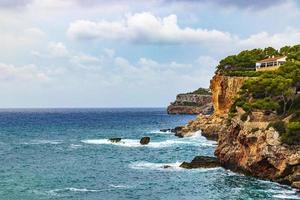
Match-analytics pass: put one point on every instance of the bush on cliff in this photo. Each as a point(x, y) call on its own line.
point(201, 91)
point(245, 60)
point(292, 135)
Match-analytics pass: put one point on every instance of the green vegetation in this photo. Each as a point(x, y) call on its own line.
point(292, 134)
point(271, 92)
point(245, 60)
point(243, 64)
point(202, 91)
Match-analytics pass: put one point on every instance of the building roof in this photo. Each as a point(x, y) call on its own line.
point(271, 59)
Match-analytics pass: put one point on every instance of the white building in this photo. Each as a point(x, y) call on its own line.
point(271, 63)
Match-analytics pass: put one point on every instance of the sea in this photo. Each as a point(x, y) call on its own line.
point(65, 154)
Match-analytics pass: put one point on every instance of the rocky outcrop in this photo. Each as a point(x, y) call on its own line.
point(145, 140)
point(249, 146)
point(253, 148)
point(191, 104)
point(201, 162)
point(224, 90)
point(115, 140)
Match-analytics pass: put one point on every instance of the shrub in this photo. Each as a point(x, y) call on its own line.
point(292, 136)
point(265, 104)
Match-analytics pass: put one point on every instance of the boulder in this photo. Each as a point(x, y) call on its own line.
point(115, 140)
point(145, 140)
point(201, 162)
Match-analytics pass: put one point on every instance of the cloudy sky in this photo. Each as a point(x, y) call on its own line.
point(125, 53)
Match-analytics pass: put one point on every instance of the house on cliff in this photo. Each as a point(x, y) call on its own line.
point(270, 64)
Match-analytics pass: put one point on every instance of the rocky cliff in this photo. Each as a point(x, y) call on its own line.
point(224, 89)
point(255, 148)
point(248, 146)
point(191, 104)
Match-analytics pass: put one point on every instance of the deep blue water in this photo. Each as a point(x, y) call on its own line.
point(64, 154)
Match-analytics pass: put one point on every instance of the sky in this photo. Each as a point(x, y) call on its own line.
point(125, 53)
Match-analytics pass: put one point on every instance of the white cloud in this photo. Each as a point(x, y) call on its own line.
point(264, 39)
point(58, 49)
point(144, 28)
point(24, 73)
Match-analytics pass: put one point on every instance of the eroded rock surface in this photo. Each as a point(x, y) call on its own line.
point(201, 162)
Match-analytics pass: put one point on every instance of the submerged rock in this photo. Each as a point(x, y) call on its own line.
point(165, 130)
point(145, 140)
point(167, 166)
point(201, 162)
point(115, 140)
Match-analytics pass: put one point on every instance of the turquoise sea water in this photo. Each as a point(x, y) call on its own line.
point(64, 154)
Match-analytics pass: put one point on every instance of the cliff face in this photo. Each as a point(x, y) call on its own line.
point(247, 146)
point(255, 149)
point(224, 89)
point(191, 104)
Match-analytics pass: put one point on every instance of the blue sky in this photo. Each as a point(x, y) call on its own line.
point(89, 53)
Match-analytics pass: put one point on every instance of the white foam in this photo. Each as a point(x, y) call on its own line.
point(136, 143)
point(165, 166)
point(197, 137)
point(43, 142)
point(72, 189)
point(118, 186)
point(75, 146)
point(155, 166)
point(286, 196)
point(160, 132)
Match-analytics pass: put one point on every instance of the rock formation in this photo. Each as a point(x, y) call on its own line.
point(224, 90)
point(201, 162)
point(191, 104)
point(145, 140)
point(249, 146)
point(254, 148)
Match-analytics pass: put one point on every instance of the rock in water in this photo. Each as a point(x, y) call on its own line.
point(201, 162)
point(177, 130)
point(165, 130)
point(115, 140)
point(145, 140)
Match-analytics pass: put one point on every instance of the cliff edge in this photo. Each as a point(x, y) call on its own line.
point(192, 103)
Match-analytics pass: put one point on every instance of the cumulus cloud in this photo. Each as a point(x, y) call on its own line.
point(277, 40)
point(144, 28)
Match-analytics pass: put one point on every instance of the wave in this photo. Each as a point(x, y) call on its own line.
point(118, 186)
point(136, 143)
point(286, 196)
point(156, 166)
point(75, 146)
point(195, 140)
point(34, 142)
point(164, 166)
point(57, 192)
point(161, 132)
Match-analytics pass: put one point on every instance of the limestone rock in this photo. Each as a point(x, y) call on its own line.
point(191, 104)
